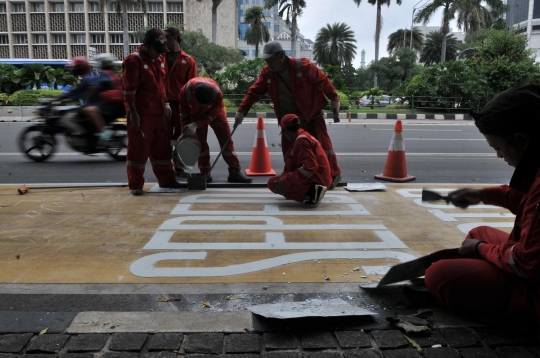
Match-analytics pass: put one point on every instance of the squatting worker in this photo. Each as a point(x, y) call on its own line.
point(201, 102)
point(499, 273)
point(143, 76)
point(296, 86)
point(181, 67)
point(307, 172)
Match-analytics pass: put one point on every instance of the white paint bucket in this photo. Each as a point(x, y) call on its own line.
point(187, 153)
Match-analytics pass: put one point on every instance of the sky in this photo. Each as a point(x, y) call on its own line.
point(361, 20)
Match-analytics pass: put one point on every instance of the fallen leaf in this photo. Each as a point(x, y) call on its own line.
point(414, 344)
point(206, 304)
point(43, 331)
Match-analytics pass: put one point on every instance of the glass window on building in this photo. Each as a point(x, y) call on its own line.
point(135, 39)
point(242, 28)
point(98, 38)
point(256, 2)
point(38, 7)
point(20, 39)
point(40, 39)
point(288, 53)
point(246, 52)
point(117, 38)
point(78, 39)
point(18, 7)
point(252, 53)
point(57, 7)
point(155, 7)
point(276, 29)
point(76, 7)
point(93, 7)
point(59, 38)
point(2, 8)
point(267, 25)
point(4, 40)
point(174, 7)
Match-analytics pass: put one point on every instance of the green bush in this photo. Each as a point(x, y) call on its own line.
point(397, 106)
point(229, 104)
point(343, 99)
point(31, 97)
point(4, 99)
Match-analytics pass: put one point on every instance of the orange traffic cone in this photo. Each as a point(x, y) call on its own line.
point(260, 157)
point(395, 168)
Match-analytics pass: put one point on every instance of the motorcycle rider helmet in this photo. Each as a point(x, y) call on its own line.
point(79, 66)
point(105, 61)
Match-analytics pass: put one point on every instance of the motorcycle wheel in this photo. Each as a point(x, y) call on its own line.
point(117, 148)
point(36, 144)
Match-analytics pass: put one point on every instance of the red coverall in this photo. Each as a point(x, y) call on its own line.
point(183, 69)
point(505, 280)
point(144, 83)
point(306, 164)
point(212, 115)
point(310, 88)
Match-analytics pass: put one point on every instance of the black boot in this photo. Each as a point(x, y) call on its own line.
point(236, 176)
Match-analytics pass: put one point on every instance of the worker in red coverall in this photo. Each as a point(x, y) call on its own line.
point(201, 102)
point(306, 176)
point(143, 76)
point(498, 274)
point(181, 67)
point(296, 86)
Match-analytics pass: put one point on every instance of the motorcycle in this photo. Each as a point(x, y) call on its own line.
point(39, 141)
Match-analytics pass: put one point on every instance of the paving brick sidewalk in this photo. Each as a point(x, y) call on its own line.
point(464, 342)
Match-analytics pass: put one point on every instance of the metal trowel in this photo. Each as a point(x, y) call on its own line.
point(428, 195)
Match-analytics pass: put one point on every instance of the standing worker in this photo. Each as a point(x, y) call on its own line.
point(497, 274)
point(143, 76)
point(180, 69)
point(201, 101)
point(296, 86)
point(307, 172)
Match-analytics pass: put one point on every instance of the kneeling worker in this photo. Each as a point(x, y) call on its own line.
point(306, 176)
point(201, 105)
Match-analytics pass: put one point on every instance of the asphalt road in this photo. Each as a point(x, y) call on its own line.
point(437, 152)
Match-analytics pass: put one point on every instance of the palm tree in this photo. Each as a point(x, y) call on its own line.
point(257, 32)
point(473, 16)
point(215, 5)
point(334, 45)
point(292, 9)
point(121, 7)
point(431, 53)
point(464, 11)
point(378, 26)
point(402, 38)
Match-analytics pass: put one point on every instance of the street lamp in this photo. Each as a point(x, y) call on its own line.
point(412, 21)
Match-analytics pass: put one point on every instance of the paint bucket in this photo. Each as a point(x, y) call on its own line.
point(187, 153)
point(196, 181)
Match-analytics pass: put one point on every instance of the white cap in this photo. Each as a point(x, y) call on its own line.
point(270, 49)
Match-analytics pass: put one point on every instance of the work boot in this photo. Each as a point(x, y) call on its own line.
point(335, 181)
point(236, 176)
point(137, 192)
point(314, 199)
point(172, 185)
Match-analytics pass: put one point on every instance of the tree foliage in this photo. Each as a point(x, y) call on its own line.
point(373, 95)
point(7, 75)
point(237, 78)
point(431, 53)
point(334, 45)
point(396, 68)
point(256, 33)
point(289, 10)
point(395, 40)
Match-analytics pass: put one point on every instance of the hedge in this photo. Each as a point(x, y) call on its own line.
point(30, 97)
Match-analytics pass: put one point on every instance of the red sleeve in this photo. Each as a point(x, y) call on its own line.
point(503, 196)
point(130, 77)
point(217, 110)
point(255, 92)
point(522, 256)
point(305, 160)
point(185, 109)
point(319, 80)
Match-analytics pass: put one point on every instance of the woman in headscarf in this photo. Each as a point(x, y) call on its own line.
point(498, 274)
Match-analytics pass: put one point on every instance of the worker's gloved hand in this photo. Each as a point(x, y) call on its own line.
point(334, 105)
point(168, 111)
point(469, 248)
point(238, 119)
point(281, 187)
point(462, 198)
point(190, 129)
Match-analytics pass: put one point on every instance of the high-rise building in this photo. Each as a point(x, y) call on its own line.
point(278, 29)
point(524, 16)
point(62, 29)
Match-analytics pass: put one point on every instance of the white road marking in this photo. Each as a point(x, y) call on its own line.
point(345, 154)
point(421, 130)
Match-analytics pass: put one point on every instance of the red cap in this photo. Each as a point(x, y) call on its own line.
point(289, 120)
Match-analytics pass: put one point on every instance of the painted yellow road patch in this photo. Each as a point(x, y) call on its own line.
point(223, 235)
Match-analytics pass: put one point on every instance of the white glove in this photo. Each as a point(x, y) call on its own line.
point(334, 105)
point(168, 111)
point(190, 129)
point(238, 119)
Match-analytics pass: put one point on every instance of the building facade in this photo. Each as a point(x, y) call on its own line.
point(278, 29)
point(62, 29)
point(524, 17)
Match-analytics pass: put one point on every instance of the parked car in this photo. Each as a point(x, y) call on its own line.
point(382, 101)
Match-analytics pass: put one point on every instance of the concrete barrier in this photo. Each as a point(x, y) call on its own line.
point(10, 114)
point(29, 112)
